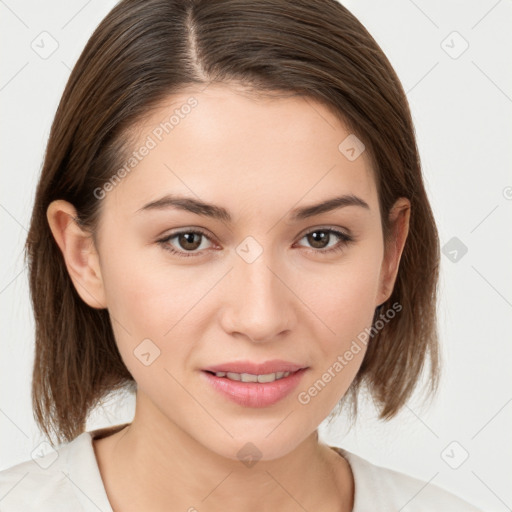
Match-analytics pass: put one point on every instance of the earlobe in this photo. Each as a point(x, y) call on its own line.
point(79, 252)
point(399, 217)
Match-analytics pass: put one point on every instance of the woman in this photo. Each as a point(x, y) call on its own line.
point(231, 222)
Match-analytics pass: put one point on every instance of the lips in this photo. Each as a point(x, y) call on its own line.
point(253, 394)
point(236, 381)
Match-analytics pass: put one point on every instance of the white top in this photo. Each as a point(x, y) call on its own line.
point(68, 479)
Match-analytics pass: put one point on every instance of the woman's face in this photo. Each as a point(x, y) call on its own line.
point(266, 279)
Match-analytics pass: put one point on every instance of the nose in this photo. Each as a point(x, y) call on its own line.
point(259, 304)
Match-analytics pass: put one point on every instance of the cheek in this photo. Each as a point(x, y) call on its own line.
point(144, 291)
point(156, 301)
point(347, 310)
point(345, 305)
point(344, 295)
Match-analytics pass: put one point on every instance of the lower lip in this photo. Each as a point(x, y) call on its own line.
point(255, 394)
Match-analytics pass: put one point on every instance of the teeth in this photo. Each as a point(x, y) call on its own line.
point(249, 377)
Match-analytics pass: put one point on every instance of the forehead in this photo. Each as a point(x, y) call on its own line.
point(226, 144)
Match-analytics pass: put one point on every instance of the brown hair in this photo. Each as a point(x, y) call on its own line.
point(145, 50)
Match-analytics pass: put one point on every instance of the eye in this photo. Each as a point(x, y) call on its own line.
point(189, 242)
point(320, 238)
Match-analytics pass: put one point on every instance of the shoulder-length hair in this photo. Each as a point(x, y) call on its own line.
point(145, 50)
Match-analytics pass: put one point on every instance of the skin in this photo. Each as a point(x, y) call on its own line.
point(243, 153)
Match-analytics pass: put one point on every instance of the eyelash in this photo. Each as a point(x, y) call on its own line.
point(344, 241)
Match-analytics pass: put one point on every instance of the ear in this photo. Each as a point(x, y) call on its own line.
point(80, 255)
point(399, 228)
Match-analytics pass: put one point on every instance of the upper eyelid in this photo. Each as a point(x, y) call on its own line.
point(343, 231)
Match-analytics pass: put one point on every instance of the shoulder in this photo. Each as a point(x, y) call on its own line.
point(55, 481)
point(36, 483)
point(377, 487)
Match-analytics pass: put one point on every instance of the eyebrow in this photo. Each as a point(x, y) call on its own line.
point(218, 212)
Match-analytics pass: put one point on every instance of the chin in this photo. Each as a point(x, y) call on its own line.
point(250, 449)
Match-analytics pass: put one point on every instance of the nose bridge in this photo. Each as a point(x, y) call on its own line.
point(260, 304)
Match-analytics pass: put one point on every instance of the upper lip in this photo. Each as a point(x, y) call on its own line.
point(274, 366)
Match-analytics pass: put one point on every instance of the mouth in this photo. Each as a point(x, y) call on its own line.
point(254, 389)
point(250, 377)
point(277, 366)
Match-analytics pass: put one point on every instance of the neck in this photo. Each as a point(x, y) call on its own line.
point(150, 464)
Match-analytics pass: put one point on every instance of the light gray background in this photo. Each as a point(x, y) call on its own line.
point(462, 107)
